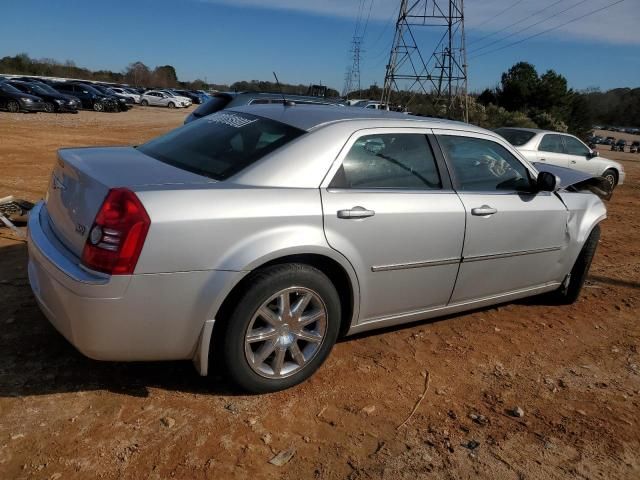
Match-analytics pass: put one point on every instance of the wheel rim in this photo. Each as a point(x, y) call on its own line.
point(144, 103)
point(609, 177)
point(171, 105)
point(98, 107)
point(13, 107)
point(286, 333)
point(49, 108)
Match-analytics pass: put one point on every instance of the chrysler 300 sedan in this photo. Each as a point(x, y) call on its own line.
point(254, 237)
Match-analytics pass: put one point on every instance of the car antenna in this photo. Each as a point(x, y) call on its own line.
point(285, 102)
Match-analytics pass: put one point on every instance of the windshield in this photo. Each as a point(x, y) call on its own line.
point(37, 86)
point(220, 145)
point(38, 89)
point(89, 89)
point(5, 87)
point(515, 137)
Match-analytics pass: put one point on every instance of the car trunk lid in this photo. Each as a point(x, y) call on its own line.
point(82, 177)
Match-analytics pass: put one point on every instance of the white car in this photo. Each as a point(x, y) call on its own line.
point(563, 150)
point(180, 97)
point(127, 93)
point(159, 98)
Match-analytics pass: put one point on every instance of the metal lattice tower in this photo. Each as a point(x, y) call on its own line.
point(442, 75)
point(352, 77)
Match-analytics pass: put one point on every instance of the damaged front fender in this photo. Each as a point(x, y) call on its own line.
point(578, 181)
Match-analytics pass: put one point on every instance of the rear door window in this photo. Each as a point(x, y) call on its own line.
point(390, 161)
point(551, 143)
point(222, 144)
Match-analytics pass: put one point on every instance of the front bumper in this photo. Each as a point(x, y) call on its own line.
point(32, 106)
point(120, 318)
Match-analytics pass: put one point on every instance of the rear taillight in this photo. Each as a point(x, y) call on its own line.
point(117, 235)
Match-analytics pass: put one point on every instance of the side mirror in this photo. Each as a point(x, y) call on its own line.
point(593, 153)
point(547, 182)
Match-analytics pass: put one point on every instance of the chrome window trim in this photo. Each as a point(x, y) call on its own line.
point(404, 266)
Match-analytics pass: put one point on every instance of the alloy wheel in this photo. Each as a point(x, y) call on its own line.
point(13, 106)
point(286, 332)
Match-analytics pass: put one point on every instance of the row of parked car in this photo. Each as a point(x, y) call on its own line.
point(616, 145)
point(28, 94)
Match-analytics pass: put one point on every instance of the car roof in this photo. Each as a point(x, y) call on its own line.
point(307, 117)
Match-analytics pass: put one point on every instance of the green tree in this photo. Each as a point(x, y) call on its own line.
point(518, 87)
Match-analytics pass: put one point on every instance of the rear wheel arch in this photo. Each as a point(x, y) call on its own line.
point(336, 272)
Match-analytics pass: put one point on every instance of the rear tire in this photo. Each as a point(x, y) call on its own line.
point(611, 176)
point(570, 293)
point(296, 340)
point(13, 106)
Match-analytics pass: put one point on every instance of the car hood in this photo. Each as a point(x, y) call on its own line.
point(577, 181)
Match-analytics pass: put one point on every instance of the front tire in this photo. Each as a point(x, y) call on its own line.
point(570, 293)
point(611, 176)
point(282, 329)
point(49, 107)
point(171, 105)
point(98, 107)
point(144, 103)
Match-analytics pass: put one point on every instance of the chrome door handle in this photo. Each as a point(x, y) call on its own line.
point(483, 210)
point(543, 159)
point(573, 161)
point(356, 212)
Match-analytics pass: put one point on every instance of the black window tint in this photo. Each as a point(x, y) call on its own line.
point(403, 160)
point(575, 147)
point(514, 136)
point(483, 165)
point(222, 144)
point(551, 143)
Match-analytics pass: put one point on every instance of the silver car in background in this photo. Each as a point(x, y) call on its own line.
point(255, 236)
point(157, 98)
point(563, 150)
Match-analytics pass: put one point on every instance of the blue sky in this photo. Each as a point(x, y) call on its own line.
point(307, 41)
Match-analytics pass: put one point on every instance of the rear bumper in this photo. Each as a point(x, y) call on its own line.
point(121, 318)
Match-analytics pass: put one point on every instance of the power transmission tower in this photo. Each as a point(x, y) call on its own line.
point(352, 77)
point(443, 74)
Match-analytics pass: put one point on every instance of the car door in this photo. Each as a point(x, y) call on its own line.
point(514, 239)
point(578, 155)
point(389, 209)
point(551, 150)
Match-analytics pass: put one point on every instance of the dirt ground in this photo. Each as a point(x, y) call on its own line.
point(574, 371)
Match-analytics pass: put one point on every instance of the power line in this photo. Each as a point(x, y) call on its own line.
point(499, 14)
point(511, 25)
point(530, 26)
point(592, 12)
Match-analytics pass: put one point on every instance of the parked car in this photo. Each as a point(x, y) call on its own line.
point(563, 150)
point(222, 100)
point(90, 98)
point(158, 98)
point(259, 261)
point(14, 101)
point(609, 141)
point(193, 96)
point(127, 92)
point(634, 147)
point(180, 98)
point(619, 146)
point(122, 101)
point(369, 104)
point(53, 101)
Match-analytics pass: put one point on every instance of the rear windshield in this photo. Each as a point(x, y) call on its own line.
point(220, 145)
point(215, 104)
point(515, 137)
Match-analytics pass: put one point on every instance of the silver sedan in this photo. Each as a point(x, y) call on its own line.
point(256, 236)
